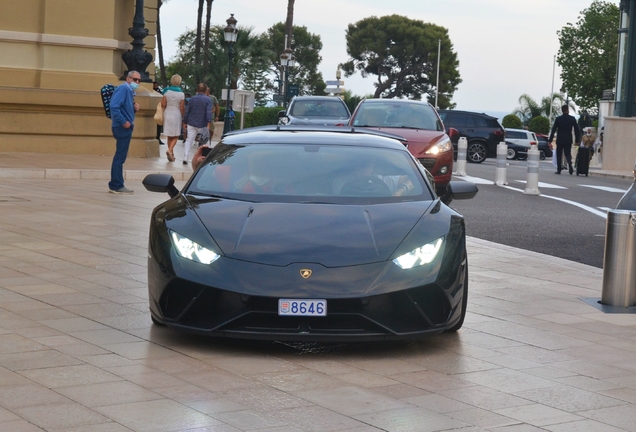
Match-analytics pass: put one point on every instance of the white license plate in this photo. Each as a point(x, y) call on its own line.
point(295, 307)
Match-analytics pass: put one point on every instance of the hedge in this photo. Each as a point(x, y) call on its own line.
point(261, 116)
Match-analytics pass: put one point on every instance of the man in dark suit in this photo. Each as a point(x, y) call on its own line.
point(563, 126)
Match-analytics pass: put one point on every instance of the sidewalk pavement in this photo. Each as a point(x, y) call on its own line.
point(78, 351)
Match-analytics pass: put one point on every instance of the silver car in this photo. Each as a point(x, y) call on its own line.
point(315, 110)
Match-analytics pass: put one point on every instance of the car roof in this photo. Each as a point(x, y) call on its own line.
point(316, 98)
point(465, 112)
point(394, 101)
point(518, 130)
point(299, 134)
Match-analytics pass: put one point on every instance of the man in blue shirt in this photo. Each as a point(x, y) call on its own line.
point(122, 111)
point(563, 126)
point(198, 116)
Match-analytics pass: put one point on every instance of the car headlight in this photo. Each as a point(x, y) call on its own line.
point(420, 256)
point(441, 147)
point(191, 250)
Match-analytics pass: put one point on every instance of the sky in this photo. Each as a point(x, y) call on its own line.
point(505, 47)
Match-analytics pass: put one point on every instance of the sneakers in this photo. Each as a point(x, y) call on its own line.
point(124, 190)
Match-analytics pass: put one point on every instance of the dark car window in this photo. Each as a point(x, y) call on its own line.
point(309, 173)
point(397, 115)
point(515, 135)
point(461, 120)
point(480, 121)
point(312, 108)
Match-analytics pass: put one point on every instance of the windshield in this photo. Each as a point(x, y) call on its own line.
point(310, 174)
point(397, 115)
point(319, 108)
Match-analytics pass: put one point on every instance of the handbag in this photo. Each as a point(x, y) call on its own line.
point(159, 114)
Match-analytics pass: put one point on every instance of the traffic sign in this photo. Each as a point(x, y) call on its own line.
point(292, 90)
point(334, 90)
point(336, 82)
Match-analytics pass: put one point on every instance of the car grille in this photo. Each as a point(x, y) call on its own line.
point(428, 163)
point(213, 311)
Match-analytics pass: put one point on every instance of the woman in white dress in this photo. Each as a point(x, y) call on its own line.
point(173, 110)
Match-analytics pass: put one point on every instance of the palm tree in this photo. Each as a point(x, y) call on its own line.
point(528, 109)
point(162, 65)
point(197, 42)
point(206, 42)
point(289, 22)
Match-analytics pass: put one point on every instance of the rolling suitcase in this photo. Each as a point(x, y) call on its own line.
point(583, 161)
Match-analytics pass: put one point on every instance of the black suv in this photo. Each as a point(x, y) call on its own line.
point(483, 133)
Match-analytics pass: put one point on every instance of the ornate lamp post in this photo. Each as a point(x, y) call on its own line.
point(137, 59)
point(231, 34)
point(287, 60)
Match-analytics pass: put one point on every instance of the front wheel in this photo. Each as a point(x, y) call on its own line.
point(460, 323)
point(511, 154)
point(476, 152)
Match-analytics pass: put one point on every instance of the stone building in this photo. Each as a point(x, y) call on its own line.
point(55, 55)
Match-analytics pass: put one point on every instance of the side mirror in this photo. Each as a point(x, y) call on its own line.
point(460, 190)
point(281, 113)
point(161, 183)
point(453, 134)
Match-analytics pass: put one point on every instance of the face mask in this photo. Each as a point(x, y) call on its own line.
point(134, 85)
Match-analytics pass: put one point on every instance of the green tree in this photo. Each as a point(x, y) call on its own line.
point(306, 47)
point(529, 108)
point(511, 121)
point(540, 125)
point(402, 53)
point(352, 100)
point(250, 60)
point(587, 54)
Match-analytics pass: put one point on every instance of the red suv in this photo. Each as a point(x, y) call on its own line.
point(420, 125)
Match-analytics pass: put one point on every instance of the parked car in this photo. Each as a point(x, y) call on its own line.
point(421, 127)
point(315, 110)
point(483, 133)
point(521, 140)
point(545, 150)
point(286, 233)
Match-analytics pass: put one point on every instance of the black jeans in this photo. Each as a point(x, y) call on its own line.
point(563, 148)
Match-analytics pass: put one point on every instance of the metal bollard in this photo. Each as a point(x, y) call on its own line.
point(462, 146)
point(532, 178)
point(619, 262)
point(502, 151)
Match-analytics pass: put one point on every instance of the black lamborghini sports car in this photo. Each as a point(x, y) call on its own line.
point(289, 233)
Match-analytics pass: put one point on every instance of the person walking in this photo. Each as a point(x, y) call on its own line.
point(155, 87)
point(563, 126)
point(216, 110)
point(198, 115)
point(173, 104)
point(122, 109)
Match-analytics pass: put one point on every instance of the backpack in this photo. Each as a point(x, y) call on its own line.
point(107, 93)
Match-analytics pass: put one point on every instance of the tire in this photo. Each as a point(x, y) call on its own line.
point(464, 303)
point(542, 155)
point(476, 152)
point(154, 320)
point(511, 154)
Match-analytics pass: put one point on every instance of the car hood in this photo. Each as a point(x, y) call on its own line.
point(332, 235)
point(418, 140)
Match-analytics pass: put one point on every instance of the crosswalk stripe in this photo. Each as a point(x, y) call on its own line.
point(605, 188)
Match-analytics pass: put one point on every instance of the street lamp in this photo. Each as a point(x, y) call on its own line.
point(287, 60)
point(137, 59)
point(231, 34)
